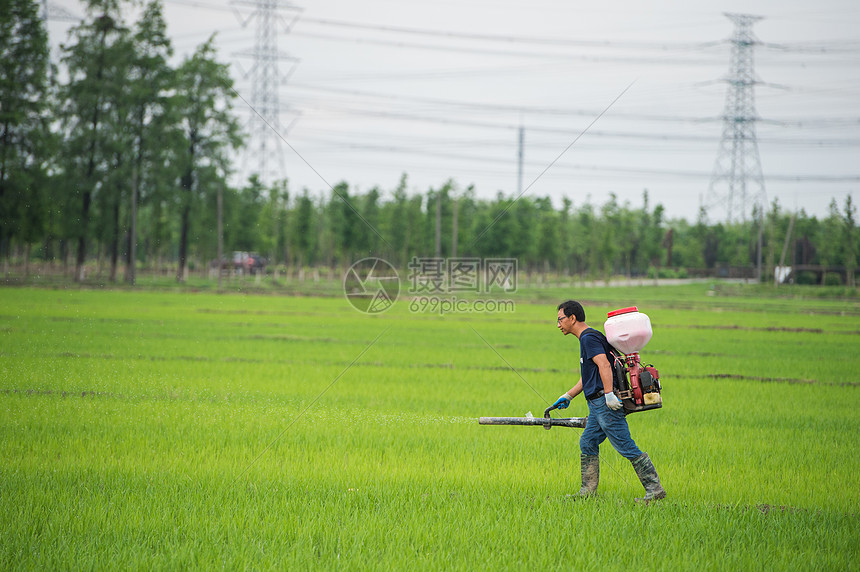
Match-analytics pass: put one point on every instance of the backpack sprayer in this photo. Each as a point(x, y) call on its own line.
point(636, 385)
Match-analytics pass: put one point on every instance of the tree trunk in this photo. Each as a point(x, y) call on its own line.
point(114, 242)
point(187, 184)
point(82, 248)
point(99, 259)
point(91, 167)
point(131, 261)
point(183, 242)
point(64, 256)
point(220, 255)
point(26, 261)
point(82, 237)
point(4, 252)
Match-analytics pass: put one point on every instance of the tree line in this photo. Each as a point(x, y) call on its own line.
point(118, 155)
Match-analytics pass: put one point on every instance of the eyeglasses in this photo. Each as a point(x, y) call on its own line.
point(558, 321)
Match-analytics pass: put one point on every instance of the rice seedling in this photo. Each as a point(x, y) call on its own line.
point(179, 430)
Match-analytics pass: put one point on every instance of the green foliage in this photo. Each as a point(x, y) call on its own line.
point(25, 142)
point(202, 103)
point(805, 277)
point(302, 221)
point(143, 149)
point(93, 112)
point(832, 279)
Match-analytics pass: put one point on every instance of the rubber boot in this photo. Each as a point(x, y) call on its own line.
point(590, 474)
point(648, 477)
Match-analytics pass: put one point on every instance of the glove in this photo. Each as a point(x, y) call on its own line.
point(612, 402)
point(562, 402)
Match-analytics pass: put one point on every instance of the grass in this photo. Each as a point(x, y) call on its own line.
point(165, 430)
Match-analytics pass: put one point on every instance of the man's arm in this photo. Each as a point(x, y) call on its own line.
point(605, 371)
point(575, 390)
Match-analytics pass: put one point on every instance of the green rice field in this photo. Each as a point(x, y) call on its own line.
point(171, 430)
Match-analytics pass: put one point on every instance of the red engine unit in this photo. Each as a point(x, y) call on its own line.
point(637, 386)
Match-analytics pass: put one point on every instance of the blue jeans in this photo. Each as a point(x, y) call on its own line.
point(602, 423)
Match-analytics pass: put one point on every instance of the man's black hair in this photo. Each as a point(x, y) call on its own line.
point(573, 308)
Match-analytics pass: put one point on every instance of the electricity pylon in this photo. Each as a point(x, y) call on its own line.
point(737, 181)
point(264, 154)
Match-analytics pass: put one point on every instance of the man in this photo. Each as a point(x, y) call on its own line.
point(605, 415)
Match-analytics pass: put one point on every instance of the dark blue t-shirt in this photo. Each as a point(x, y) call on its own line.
point(591, 343)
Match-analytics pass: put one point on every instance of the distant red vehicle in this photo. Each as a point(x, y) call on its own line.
point(243, 263)
point(249, 262)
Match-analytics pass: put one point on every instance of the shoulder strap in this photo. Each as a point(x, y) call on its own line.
point(613, 354)
point(600, 336)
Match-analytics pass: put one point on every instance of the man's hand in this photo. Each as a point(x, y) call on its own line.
point(562, 402)
point(612, 402)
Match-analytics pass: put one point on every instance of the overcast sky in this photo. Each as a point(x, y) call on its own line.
point(634, 91)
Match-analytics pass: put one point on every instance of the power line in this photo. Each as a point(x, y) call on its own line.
point(666, 144)
point(557, 111)
point(657, 59)
point(498, 107)
point(701, 175)
point(512, 39)
point(670, 141)
point(649, 135)
point(832, 46)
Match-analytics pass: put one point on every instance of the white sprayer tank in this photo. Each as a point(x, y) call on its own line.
point(627, 329)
